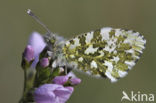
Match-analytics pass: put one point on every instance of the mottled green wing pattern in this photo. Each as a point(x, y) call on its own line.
point(106, 52)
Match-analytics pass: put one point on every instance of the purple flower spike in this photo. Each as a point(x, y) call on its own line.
point(52, 93)
point(75, 81)
point(37, 42)
point(28, 53)
point(44, 62)
point(60, 80)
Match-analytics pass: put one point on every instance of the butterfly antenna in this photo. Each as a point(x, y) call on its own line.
point(29, 12)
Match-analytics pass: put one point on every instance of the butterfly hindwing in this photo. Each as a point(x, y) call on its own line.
point(106, 52)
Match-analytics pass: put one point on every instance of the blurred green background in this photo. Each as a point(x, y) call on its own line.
point(72, 17)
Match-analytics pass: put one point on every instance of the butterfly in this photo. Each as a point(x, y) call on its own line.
point(106, 52)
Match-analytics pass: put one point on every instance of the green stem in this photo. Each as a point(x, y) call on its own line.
point(27, 90)
point(24, 89)
point(25, 81)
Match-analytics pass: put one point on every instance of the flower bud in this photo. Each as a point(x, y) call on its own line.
point(44, 62)
point(28, 54)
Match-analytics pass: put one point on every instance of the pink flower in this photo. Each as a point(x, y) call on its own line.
point(60, 80)
point(52, 93)
point(70, 77)
point(75, 81)
point(37, 42)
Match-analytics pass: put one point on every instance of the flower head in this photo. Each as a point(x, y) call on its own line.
point(38, 44)
point(52, 93)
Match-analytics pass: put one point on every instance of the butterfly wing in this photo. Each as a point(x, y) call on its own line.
point(106, 52)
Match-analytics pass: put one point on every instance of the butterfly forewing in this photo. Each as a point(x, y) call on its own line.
point(106, 52)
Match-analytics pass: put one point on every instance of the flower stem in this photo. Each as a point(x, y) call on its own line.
point(28, 83)
point(25, 80)
point(25, 83)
